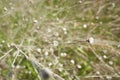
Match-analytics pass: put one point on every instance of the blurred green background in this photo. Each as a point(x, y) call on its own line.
point(55, 33)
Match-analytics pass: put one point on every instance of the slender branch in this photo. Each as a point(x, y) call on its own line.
point(5, 54)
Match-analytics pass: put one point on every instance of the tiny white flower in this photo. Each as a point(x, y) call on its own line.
point(101, 22)
point(63, 54)
point(104, 56)
point(50, 64)
point(57, 19)
point(110, 62)
point(91, 40)
point(5, 9)
point(113, 5)
point(80, 1)
point(85, 26)
point(38, 50)
point(60, 69)
point(72, 61)
point(64, 29)
point(38, 27)
point(8, 45)
point(61, 65)
point(108, 77)
point(49, 30)
point(97, 72)
point(13, 66)
point(18, 66)
point(65, 32)
point(35, 21)
point(46, 53)
point(97, 17)
point(3, 41)
point(55, 43)
point(79, 66)
point(92, 23)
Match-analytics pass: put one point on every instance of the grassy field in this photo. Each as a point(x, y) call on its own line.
point(69, 39)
